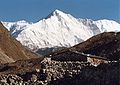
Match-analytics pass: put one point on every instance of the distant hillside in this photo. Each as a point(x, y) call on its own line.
point(106, 45)
point(11, 50)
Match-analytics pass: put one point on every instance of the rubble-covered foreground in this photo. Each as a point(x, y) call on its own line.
point(65, 73)
point(48, 71)
point(104, 74)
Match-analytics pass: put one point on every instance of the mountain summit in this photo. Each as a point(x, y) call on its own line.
point(58, 29)
point(56, 13)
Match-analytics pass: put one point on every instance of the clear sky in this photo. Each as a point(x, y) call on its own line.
point(34, 10)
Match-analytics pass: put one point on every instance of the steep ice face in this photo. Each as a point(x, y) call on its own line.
point(107, 25)
point(58, 29)
point(16, 27)
point(90, 25)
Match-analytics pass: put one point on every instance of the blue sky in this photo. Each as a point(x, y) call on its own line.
point(34, 10)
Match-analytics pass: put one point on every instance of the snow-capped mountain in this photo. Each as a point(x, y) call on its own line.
point(16, 27)
point(107, 25)
point(58, 29)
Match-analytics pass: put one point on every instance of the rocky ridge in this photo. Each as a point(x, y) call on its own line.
point(105, 45)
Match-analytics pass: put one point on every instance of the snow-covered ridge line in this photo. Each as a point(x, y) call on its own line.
point(58, 29)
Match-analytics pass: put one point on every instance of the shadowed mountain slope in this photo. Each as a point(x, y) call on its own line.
point(11, 50)
point(106, 45)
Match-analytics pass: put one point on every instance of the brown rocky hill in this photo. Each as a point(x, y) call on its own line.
point(11, 50)
point(106, 45)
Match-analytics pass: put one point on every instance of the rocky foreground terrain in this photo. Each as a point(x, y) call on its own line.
point(93, 62)
point(50, 72)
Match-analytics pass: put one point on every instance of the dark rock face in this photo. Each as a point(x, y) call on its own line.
point(11, 50)
point(106, 45)
point(46, 51)
point(21, 66)
point(69, 56)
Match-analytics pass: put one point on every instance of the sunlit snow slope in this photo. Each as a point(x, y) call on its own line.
point(58, 29)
